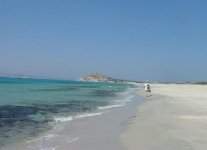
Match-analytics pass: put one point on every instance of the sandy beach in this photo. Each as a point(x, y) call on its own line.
point(173, 118)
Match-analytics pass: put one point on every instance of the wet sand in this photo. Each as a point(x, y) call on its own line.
point(173, 118)
point(102, 132)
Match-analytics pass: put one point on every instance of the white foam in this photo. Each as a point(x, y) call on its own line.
point(73, 140)
point(89, 115)
point(127, 99)
point(119, 103)
point(110, 106)
point(63, 119)
point(44, 137)
point(48, 148)
point(51, 136)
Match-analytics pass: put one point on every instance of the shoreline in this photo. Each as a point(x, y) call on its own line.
point(174, 117)
point(89, 132)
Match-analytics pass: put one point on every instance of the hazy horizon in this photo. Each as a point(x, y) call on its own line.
point(29, 76)
point(134, 40)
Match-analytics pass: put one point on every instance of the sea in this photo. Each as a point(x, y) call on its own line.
point(29, 108)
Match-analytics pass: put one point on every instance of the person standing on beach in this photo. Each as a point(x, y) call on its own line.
point(147, 88)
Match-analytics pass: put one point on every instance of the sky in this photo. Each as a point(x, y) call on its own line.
point(156, 40)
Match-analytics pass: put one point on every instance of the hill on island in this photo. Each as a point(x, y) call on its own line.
point(96, 77)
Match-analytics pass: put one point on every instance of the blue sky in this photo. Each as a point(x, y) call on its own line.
point(160, 40)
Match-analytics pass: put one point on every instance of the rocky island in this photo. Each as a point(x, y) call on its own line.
point(95, 77)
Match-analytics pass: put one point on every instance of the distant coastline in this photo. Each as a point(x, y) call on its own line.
point(96, 77)
point(93, 77)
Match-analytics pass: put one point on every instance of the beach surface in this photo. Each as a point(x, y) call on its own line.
point(174, 117)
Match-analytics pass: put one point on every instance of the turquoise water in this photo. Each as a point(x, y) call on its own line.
point(28, 106)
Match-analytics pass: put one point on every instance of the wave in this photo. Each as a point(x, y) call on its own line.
point(52, 148)
point(89, 115)
point(110, 106)
point(128, 99)
point(65, 119)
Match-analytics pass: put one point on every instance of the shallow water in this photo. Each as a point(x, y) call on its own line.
point(29, 107)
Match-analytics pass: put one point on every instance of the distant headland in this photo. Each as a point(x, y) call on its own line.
point(96, 77)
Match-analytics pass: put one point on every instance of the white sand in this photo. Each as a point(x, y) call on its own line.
point(173, 118)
